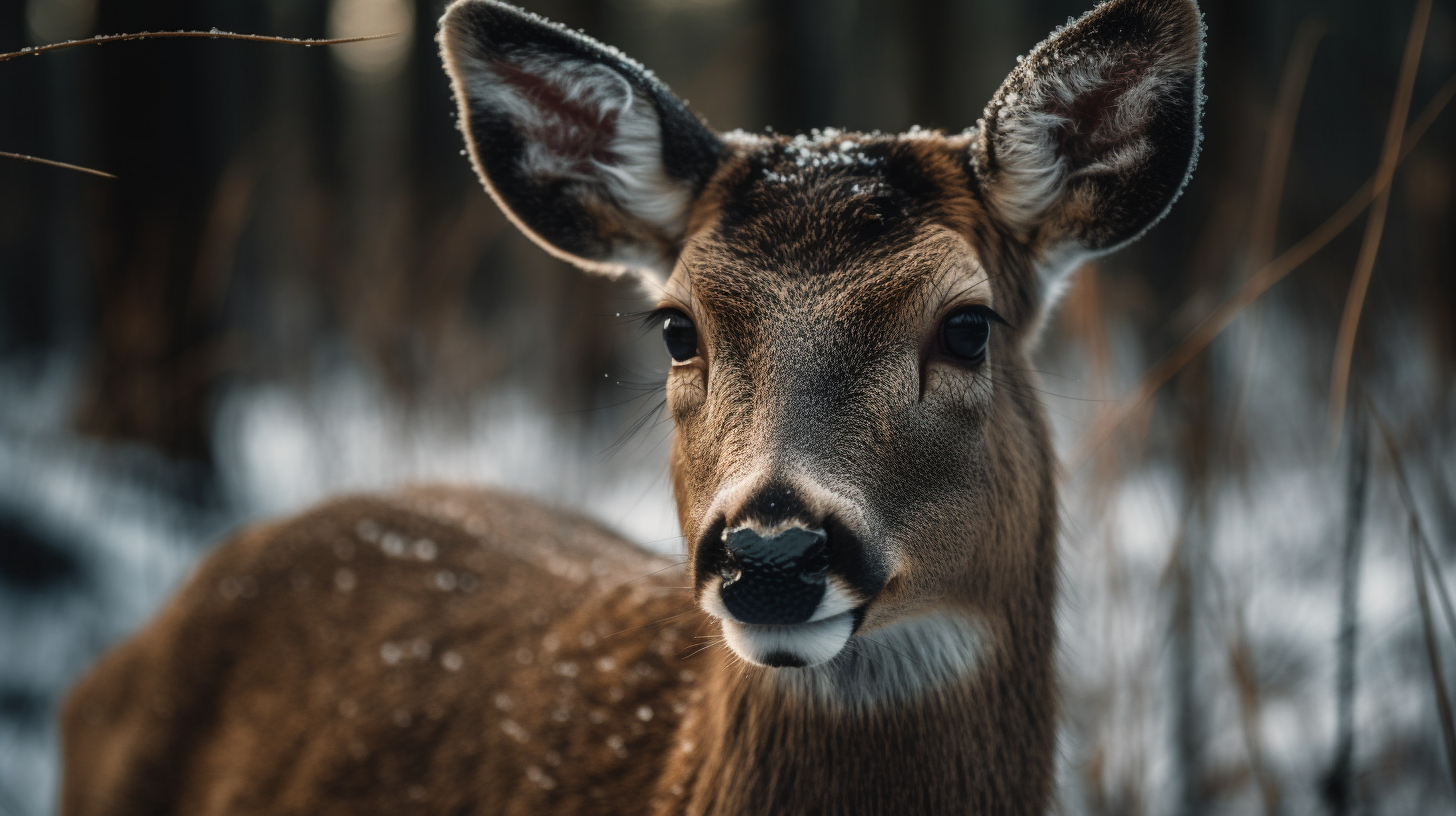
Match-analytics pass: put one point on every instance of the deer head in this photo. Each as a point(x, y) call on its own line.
point(849, 316)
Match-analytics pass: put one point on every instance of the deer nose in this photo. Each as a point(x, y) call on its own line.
point(774, 580)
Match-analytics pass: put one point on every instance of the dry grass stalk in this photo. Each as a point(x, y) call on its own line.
point(1086, 320)
point(1443, 593)
point(1259, 283)
point(1272, 174)
point(1421, 552)
point(1188, 568)
point(1338, 788)
point(1270, 190)
point(1375, 226)
point(1246, 683)
point(1433, 652)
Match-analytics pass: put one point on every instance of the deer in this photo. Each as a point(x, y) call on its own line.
point(865, 621)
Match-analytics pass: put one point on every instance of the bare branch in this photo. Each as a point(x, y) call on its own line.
point(52, 163)
point(214, 34)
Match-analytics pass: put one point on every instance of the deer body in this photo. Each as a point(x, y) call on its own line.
point(322, 666)
point(862, 474)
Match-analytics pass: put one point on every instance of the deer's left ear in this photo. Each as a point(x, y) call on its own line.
point(586, 151)
point(1093, 136)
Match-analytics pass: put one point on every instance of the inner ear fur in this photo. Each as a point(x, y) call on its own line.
point(583, 148)
point(1095, 133)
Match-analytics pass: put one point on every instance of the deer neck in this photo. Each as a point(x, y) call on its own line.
point(932, 714)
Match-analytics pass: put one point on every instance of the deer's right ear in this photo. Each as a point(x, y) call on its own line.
point(585, 150)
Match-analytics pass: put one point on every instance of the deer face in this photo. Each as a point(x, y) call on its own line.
point(858, 444)
point(832, 457)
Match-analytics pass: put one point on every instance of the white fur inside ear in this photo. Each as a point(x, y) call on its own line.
point(584, 122)
point(1033, 173)
point(1029, 124)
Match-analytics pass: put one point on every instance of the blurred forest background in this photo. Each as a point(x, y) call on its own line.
point(296, 286)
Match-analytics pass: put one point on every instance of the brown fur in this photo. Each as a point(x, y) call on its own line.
point(466, 652)
point(303, 669)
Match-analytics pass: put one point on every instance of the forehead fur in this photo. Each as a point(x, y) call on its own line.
point(850, 221)
point(815, 204)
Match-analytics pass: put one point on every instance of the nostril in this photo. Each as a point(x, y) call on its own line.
point(730, 571)
point(794, 546)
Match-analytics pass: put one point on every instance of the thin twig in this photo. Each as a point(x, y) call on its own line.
point(185, 35)
point(53, 163)
point(157, 35)
point(1375, 226)
point(1259, 283)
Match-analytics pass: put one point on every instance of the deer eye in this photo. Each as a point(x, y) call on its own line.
point(966, 332)
point(680, 335)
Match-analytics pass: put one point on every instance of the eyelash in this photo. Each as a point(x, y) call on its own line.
point(990, 314)
point(651, 320)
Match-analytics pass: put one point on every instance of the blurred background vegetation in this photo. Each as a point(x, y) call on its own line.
point(296, 286)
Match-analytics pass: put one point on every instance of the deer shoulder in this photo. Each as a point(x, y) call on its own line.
point(377, 654)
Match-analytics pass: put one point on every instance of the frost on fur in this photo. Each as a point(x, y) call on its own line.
point(584, 148)
point(1094, 134)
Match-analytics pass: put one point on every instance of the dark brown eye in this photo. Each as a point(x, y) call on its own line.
point(966, 333)
point(680, 336)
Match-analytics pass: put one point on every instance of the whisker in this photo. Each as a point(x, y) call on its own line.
point(658, 622)
point(701, 648)
point(635, 428)
point(656, 571)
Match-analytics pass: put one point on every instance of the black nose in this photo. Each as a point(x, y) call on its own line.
point(777, 579)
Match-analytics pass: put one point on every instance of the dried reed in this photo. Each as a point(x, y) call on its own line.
point(1375, 226)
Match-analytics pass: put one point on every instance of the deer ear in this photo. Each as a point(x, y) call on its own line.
point(585, 150)
point(1092, 137)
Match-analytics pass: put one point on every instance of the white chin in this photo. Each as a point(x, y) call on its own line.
point(803, 644)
